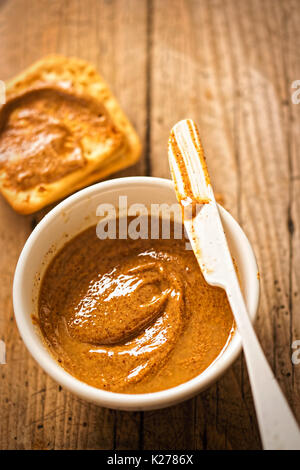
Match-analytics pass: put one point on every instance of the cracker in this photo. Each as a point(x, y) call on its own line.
point(117, 148)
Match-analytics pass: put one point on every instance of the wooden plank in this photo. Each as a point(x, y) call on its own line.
point(265, 139)
point(35, 412)
point(291, 64)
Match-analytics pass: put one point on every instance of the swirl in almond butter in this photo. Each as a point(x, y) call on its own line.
point(131, 316)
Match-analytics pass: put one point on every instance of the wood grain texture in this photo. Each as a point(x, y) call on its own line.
point(229, 65)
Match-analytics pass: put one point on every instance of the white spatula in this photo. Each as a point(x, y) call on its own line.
point(278, 427)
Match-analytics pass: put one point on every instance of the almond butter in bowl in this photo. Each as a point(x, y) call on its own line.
point(60, 129)
point(131, 316)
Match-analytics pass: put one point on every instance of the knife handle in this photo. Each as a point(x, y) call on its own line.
point(278, 427)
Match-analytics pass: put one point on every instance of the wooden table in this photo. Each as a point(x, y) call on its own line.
point(229, 65)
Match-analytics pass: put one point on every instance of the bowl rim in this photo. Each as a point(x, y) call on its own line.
point(137, 402)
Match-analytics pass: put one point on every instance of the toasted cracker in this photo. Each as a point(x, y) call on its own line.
point(77, 77)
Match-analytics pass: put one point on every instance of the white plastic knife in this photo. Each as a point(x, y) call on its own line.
point(278, 427)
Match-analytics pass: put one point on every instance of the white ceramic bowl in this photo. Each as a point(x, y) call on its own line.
point(72, 216)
